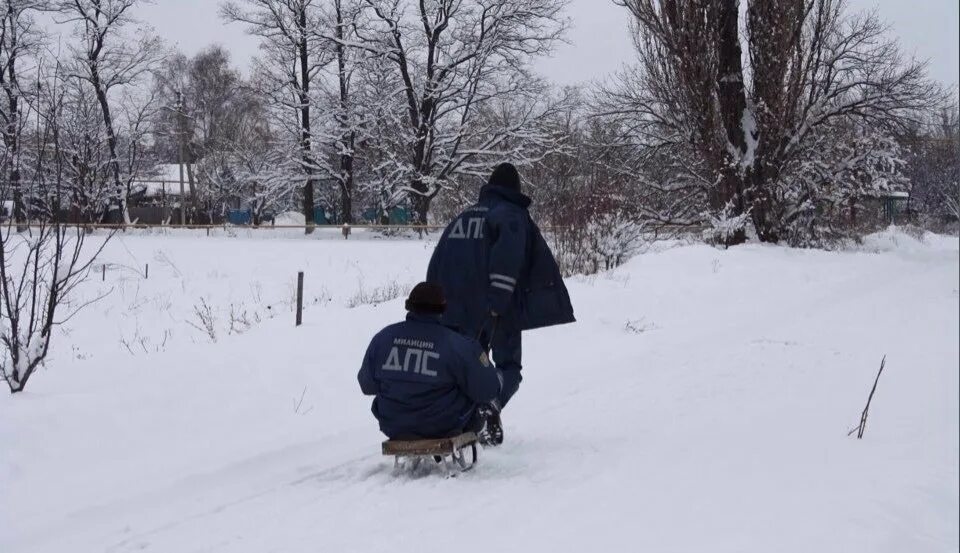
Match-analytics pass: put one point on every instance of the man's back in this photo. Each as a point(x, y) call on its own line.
point(480, 258)
point(427, 378)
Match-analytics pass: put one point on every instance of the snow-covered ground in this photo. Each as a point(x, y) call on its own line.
point(701, 403)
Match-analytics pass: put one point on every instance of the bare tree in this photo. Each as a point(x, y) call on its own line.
point(933, 167)
point(210, 113)
point(382, 172)
point(19, 39)
point(451, 57)
point(262, 173)
point(757, 142)
point(135, 133)
point(348, 118)
point(292, 59)
point(87, 180)
point(107, 58)
point(41, 268)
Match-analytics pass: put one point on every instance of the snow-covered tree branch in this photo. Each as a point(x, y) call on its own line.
point(782, 138)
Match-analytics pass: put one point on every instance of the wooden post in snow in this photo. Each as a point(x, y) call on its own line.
point(299, 298)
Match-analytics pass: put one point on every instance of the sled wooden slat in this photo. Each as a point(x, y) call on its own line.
point(438, 446)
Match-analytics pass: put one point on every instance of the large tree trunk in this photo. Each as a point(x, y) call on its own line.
point(308, 197)
point(11, 134)
point(346, 192)
point(121, 215)
point(12, 169)
point(347, 135)
point(774, 32)
point(420, 196)
point(306, 145)
point(733, 104)
point(420, 199)
point(421, 207)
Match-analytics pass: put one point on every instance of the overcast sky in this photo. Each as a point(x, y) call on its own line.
point(599, 42)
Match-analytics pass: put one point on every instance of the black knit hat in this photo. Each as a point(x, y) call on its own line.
point(505, 175)
point(427, 298)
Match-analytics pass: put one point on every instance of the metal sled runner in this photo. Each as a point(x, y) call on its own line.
point(440, 450)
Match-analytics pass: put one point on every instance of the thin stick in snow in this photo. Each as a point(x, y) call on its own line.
point(298, 404)
point(859, 429)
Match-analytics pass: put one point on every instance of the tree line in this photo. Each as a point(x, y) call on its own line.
point(781, 122)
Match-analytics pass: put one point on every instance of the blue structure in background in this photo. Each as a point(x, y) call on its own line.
point(369, 215)
point(320, 216)
point(397, 216)
point(240, 216)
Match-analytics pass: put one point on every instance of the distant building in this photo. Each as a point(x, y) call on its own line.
point(155, 199)
point(161, 188)
point(895, 204)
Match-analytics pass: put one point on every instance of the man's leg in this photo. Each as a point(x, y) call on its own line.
point(506, 356)
point(507, 350)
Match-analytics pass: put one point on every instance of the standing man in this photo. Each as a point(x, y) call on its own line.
point(428, 379)
point(500, 278)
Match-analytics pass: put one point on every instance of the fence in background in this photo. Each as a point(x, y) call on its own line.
point(343, 229)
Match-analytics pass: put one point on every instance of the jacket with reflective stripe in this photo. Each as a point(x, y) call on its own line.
point(493, 258)
point(426, 377)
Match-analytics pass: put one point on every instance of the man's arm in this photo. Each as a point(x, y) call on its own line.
point(367, 375)
point(507, 255)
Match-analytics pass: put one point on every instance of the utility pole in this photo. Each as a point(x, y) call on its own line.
point(182, 154)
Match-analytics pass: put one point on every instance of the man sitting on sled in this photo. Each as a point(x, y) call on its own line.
point(428, 379)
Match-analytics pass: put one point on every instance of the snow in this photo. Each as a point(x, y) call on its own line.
point(165, 181)
point(153, 189)
point(701, 403)
point(896, 240)
point(291, 218)
point(170, 172)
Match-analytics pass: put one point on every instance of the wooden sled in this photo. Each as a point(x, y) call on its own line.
point(449, 451)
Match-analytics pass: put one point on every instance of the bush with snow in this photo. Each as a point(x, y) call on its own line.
point(378, 294)
point(722, 227)
point(604, 242)
point(40, 269)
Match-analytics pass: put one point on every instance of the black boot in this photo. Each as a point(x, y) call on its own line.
point(492, 432)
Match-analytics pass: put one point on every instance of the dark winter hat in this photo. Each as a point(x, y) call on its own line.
point(505, 175)
point(427, 297)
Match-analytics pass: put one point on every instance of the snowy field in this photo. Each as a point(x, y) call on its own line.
point(701, 403)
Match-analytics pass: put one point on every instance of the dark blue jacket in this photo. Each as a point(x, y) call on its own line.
point(492, 257)
point(428, 379)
